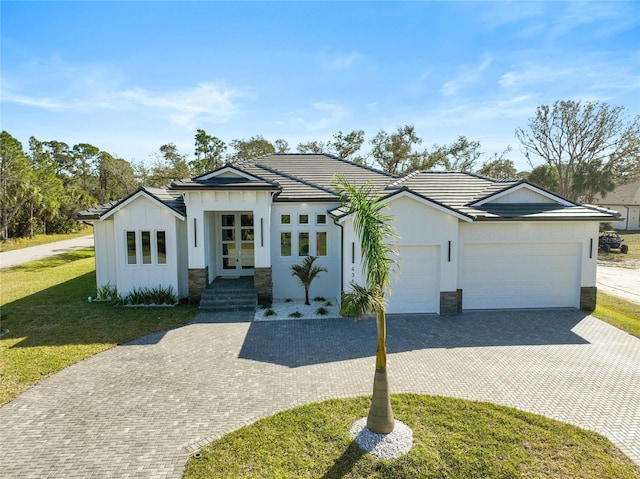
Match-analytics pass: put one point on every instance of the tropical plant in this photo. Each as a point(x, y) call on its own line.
point(376, 233)
point(306, 273)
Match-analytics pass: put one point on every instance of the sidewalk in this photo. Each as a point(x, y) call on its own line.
point(24, 255)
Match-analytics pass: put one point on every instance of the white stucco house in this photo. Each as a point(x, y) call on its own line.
point(465, 241)
point(626, 200)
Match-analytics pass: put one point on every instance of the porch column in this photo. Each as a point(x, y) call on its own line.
point(263, 283)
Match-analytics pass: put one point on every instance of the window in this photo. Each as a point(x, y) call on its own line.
point(161, 247)
point(146, 247)
point(152, 250)
point(303, 244)
point(303, 219)
point(321, 243)
point(321, 219)
point(131, 247)
point(285, 243)
point(285, 219)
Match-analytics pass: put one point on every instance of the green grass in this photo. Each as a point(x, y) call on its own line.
point(18, 243)
point(51, 324)
point(618, 312)
point(453, 439)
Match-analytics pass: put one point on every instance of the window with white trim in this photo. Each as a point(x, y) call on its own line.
point(321, 243)
point(146, 248)
point(285, 243)
point(303, 243)
point(132, 254)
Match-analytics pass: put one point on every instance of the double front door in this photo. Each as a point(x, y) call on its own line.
point(236, 244)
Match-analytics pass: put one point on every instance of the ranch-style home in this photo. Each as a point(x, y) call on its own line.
point(465, 241)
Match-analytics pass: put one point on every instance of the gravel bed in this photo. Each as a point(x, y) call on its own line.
point(383, 446)
point(283, 309)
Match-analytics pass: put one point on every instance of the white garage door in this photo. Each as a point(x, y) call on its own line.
point(416, 287)
point(521, 276)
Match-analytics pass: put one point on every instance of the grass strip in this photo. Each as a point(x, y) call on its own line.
point(618, 312)
point(453, 439)
point(19, 243)
point(52, 326)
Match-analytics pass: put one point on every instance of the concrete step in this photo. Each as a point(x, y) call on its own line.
point(229, 300)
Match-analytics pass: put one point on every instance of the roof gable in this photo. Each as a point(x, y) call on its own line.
point(227, 177)
point(625, 195)
point(522, 192)
point(227, 171)
point(174, 205)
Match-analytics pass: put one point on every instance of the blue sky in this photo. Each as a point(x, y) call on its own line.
point(131, 76)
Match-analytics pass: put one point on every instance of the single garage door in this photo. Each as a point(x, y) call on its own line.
point(416, 286)
point(521, 275)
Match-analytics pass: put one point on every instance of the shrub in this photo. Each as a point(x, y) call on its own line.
point(322, 311)
point(108, 292)
point(270, 312)
point(319, 298)
point(296, 314)
point(151, 296)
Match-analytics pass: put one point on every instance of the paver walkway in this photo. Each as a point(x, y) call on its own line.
point(139, 410)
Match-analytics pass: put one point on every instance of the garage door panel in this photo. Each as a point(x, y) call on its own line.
point(521, 276)
point(415, 289)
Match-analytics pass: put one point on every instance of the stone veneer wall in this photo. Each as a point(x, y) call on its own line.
point(198, 282)
point(263, 284)
point(450, 302)
point(588, 296)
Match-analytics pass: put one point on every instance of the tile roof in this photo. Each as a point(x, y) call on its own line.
point(627, 195)
point(165, 196)
point(311, 177)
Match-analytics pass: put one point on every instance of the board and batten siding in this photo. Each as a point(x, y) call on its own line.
point(144, 214)
point(105, 254)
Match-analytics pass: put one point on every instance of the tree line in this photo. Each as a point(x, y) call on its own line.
point(577, 149)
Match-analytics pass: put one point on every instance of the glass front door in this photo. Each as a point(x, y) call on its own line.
point(237, 235)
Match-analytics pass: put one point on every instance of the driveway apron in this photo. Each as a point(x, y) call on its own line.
point(140, 409)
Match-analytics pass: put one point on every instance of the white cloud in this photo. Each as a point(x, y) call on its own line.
point(468, 76)
point(55, 86)
point(206, 101)
point(340, 61)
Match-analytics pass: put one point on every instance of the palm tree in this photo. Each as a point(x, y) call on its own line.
point(374, 229)
point(306, 273)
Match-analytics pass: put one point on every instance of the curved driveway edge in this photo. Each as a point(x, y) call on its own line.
point(140, 409)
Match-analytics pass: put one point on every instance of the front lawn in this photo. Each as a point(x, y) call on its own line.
point(453, 439)
point(618, 312)
point(51, 325)
point(19, 243)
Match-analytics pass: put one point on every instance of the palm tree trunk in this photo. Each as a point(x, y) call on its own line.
point(306, 295)
point(380, 419)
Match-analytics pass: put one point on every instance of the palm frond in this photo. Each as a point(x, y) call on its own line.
point(374, 228)
point(361, 301)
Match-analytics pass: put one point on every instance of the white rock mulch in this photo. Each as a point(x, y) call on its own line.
point(283, 309)
point(383, 446)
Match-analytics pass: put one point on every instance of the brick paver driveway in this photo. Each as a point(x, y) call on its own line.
point(140, 409)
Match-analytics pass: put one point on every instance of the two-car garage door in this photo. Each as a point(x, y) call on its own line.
point(521, 275)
